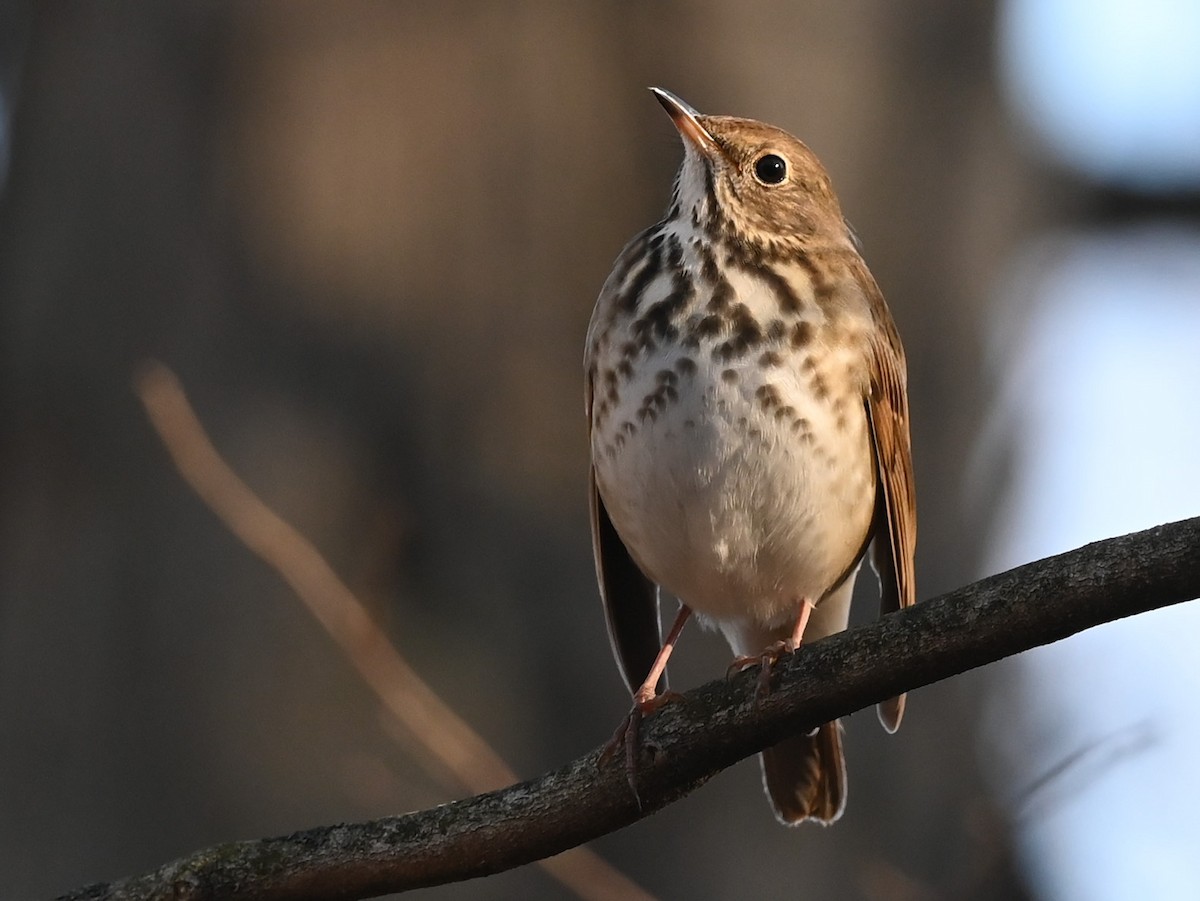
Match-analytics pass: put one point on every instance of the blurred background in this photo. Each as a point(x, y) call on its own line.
point(368, 236)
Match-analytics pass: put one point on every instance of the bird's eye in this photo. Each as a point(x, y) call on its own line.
point(770, 169)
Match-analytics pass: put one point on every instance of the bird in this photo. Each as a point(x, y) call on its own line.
point(747, 408)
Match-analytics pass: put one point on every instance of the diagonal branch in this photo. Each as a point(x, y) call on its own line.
point(687, 743)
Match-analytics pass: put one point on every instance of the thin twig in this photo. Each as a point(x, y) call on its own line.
point(406, 696)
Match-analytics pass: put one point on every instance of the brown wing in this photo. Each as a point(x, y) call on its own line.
point(895, 540)
point(630, 599)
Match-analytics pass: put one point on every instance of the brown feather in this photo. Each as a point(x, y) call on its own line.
point(805, 776)
point(887, 407)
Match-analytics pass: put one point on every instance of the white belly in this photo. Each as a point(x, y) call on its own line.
point(739, 506)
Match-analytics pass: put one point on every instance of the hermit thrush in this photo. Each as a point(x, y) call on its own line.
point(748, 414)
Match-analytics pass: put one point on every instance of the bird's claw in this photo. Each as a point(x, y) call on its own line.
point(767, 660)
point(628, 735)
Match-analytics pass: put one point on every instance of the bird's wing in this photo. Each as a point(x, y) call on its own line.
point(630, 599)
point(895, 540)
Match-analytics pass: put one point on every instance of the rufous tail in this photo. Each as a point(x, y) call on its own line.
point(805, 776)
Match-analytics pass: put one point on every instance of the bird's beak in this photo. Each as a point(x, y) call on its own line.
point(687, 121)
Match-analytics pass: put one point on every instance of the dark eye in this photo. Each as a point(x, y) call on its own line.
point(770, 169)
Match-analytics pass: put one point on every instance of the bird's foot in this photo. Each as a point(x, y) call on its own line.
point(767, 659)
point(628, 734)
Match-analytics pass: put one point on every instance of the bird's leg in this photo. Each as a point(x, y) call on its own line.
point(806, 609)
point(772, 653)
point(645, 702)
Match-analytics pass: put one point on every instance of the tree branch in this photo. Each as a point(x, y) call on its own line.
point(686, 743)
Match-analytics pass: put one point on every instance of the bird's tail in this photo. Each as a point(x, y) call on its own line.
point(805, 776)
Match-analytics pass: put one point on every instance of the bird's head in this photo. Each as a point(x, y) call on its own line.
point(746, 181)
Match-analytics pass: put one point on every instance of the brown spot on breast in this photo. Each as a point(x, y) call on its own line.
point(730, 376)
point(708, 263)
point(776, 330)
point(658, 321)
point(745, 326)
point(710, 326)
point(770, 358)
point(802, 333)
point(674, 251)
point(633, 254)
point(768, 396)
point(818, 386)
point(711, 274)
point(685, 366)
point(785, 294)
point(710, 197)
point(657, 400)
point(721, 296)
point(629, 298)
point(747, 334)
point(625, 368)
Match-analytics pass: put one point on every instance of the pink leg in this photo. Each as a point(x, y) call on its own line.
point(646, 690)
point(806, 609)
point(645, 701)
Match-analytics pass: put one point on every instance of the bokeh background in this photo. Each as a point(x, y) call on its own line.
point(368, 236)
